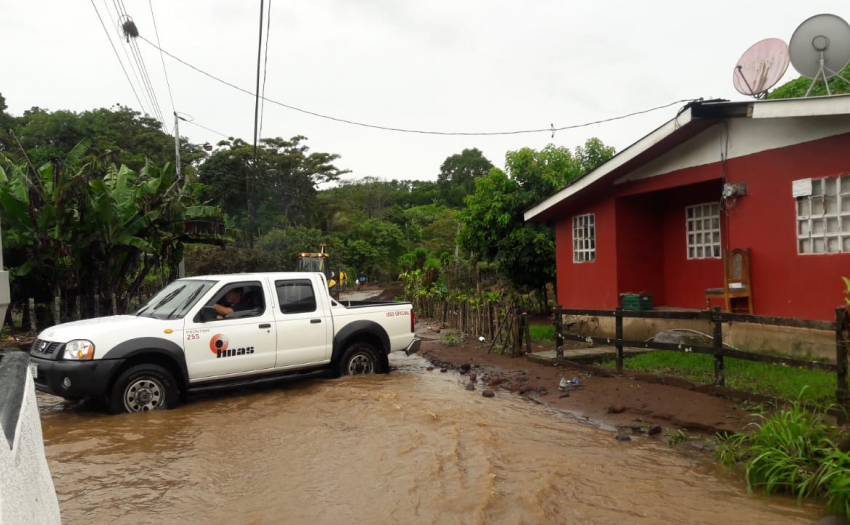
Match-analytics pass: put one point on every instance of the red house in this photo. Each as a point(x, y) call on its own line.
point(771, 176)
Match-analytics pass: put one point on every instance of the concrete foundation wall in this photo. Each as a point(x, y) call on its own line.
point(794, 342)
point(27, 495)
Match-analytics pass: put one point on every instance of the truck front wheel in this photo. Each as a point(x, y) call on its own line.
point(359, 358)
point(141, 388)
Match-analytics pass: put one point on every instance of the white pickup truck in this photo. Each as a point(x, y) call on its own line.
point(285, 324)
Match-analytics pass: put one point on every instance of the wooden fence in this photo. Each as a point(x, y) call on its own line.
point(499, 322)
point(36, 317)
point(716, 318)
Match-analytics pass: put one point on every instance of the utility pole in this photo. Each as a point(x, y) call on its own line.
point(177, 147)
point(181, 266)
point(256, 133)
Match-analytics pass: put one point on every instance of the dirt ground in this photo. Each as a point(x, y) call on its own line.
point(632, 403)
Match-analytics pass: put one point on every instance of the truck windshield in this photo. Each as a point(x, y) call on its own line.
point(175, 300)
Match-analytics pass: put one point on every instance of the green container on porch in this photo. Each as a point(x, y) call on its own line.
point(636, 301)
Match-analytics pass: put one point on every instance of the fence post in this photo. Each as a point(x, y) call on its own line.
point(114, 304)
point(841, 393)
point(527, 332)
point(559, 337)
point(491, 314)
point(618, 335)
point(33, 324)
point(77, 309)
point(719, 374)
point(57, 309)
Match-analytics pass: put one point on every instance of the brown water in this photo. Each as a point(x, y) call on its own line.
point(411, 447)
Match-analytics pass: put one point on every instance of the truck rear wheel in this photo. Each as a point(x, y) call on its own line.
point(359, 358)
point(141, 388)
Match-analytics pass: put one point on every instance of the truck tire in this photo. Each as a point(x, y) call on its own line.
point(141, 388)
point(359, 358)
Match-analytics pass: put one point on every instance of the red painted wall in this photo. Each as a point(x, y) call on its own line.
point(588, 284)
point(784, 283)
point(685, 281)
point(640, 246)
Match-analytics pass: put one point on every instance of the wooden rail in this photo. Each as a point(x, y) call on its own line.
point(716, 318)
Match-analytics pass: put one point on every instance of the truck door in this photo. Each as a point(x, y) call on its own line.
point(234, 343)
point(303, 326)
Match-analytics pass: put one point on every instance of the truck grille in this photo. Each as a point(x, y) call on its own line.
point(47, 348)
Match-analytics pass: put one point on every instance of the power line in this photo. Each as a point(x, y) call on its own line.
point(162, 58)
point(206, 128)
point(146, 77)
point(130, 61)
point(140, 63)
point(551, 129)
point(117, 55)
point(265, 68)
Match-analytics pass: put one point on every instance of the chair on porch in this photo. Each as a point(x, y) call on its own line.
point(736, 282)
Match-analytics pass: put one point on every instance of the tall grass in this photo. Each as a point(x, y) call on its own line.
point(793, 451)
point(762, 378)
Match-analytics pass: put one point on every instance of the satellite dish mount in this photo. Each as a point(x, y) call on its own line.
point(819, 44)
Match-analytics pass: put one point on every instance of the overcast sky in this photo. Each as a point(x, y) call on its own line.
point(441, 65)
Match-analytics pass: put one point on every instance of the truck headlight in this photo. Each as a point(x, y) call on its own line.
point(79, 350)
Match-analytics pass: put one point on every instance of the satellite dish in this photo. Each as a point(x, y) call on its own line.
point(761, 67)
point(820, 49)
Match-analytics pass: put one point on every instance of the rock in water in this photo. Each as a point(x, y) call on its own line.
point(444, 370)
point(488, 393)
point(470, 387)
point(623, 437)
point(465, 367)
point(653, 430)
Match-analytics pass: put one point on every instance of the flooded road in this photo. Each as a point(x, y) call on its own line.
point(411, 447)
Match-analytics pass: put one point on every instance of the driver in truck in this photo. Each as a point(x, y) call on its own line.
point(232, 302)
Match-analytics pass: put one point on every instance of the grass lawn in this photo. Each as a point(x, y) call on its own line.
point(542, 332)
point(762, 378)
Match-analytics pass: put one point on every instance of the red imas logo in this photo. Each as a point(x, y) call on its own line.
point(219, 345)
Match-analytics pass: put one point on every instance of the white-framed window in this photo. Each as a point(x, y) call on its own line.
point(823, 218)
point(703, 231)
point(584, 238)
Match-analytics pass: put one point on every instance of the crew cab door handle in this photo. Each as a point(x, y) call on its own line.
point(265, 325)
point(314, 321)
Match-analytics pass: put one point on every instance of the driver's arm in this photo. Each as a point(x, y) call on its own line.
point(223, 310)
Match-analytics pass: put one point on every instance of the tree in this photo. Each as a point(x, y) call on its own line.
point(79, 227)
point(458, 173)
point(282, 183)
point(118, 135)
point(797, 88)
point(493, 228)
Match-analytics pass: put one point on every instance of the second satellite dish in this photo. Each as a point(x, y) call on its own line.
point(820, 48)
point(761, 67)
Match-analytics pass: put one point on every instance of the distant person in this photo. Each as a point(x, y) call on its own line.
point(361, 280)
point(232, 302)
point(343, 279)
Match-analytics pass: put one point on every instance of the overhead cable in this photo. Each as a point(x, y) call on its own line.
point(162, 58)
point(550, 129)
point(140, 61)
point(118, 56)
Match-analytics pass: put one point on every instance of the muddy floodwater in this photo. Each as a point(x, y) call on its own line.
point(411, 447)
